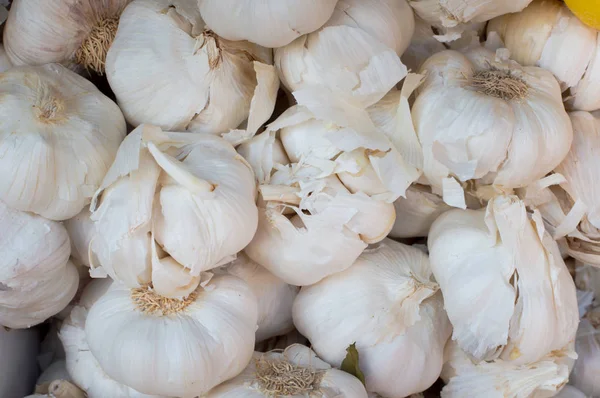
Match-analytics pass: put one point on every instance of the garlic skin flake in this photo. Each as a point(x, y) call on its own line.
point(280, 22)
point(402, 318)
point(379, 31)
point(496, 122)
point(296, 372)
point(58, 136)
point(520, 284)
point(171, 206)
point(275, 297)
point(36, 276)
point(199, 342)
point(75, 34)
point(208, 83)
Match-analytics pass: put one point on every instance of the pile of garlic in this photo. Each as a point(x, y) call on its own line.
point(299, 198)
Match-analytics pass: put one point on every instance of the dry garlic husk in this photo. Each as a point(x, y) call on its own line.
point(422, 46)
point(311, 227)
point(275, 297)
point(18, 349)
point(356, 52)
point(548, 35)
point(193, 344)
point(58, 136)
point(208, 84)
point(296, 372)
point(519, 285)
point(172, 205)
point(37, 279)
point(587, 345)
point(495, 121)
point(81, 363)
point(280, 22)
point(77, 35)
point(263, 152)
point(403, 318)
point(453, 17)
point(500, 378)
point(570, 392)
point(416, 212)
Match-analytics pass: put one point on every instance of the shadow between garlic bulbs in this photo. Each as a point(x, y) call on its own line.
point(171, 206)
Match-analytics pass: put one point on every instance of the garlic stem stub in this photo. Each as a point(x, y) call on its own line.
point(77, 35)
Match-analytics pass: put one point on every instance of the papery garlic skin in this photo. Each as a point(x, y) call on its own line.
point(39, 32)
point(403, 318)
point(171, 206)
point(196, 348)
point(422, 46)
point(58, 136)
point(81, 364)
point(275, 297)
point(263, 152)
point(587, 366)
point(281, 22)
point(81, 230)
point(508, 134)
point(520, 282)
point(416, 212)
point(167, 69)
point(36, 276)
point(332, 382)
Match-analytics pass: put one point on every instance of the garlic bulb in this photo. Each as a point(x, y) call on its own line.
point(495, 121)
point(58, 136)
point(5, 63)
point(81, 230)
point(422, 46)
point(454, 16)
point(208, 84)
point(280, 22)
point(547, 34)
point(500, 378)
point(403, 317)
point(18, 349)
point(354, 53)
point(570, 392)
point(587, 345)
point(295, 373)
point(416, 212)
point(194, 344)
point(520, 285)
point(172, 205)
point(81, 363)
point(36, 276)
point(76, 35)
point(275, 297)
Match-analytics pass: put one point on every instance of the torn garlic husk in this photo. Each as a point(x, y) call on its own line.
point(403, 318)
point(355, 53)
point(81, 364)
point(58, 136)
point(502, 262)
point(77, 35)
point(209, 84)
point(548, 35)
point(280, 22)
point(501, 378)
point(497, 124)
point(275, 297)
point(220, 317)
point(587, 345)
point(171, 206)
point(422, 46)
point(264, 152)
point(37, 280)
point(296, 372)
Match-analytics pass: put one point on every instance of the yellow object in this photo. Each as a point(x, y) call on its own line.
point(588, 11)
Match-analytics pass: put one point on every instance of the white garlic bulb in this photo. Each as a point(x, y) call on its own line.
point(389, 304)
point(587, 345)
point(58, 136)
point(81, 363)
point(172, 205)
point(547, 34)
point(355, 53)
point(495, 121)
point(296, 372)
point(275, 297)
point(81, 230)
point(75, 34)
point(208, 83)
point(500, 378)
point(453, 17)
point(519, 285)
point(36, 276)
point(18, 349)
point(194, 344)
point(280, 22)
